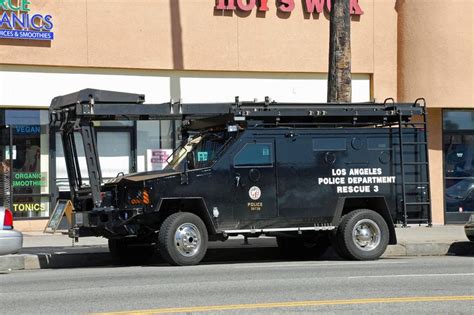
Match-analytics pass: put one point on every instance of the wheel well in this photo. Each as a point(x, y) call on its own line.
point(377, 204)
point(196, 206)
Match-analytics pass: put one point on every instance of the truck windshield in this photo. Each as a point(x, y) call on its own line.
point(199, 152)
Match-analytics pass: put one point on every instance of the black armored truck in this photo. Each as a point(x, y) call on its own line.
point(311, 175)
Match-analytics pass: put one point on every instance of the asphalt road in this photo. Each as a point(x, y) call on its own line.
point(437, 285)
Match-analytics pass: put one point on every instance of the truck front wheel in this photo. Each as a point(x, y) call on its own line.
point(362, 235)
point(183, 239)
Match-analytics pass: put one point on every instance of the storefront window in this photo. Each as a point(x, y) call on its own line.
point(114, 144)
point(114, 152)
point(155, 142)
point(62, 182)
point(26, 162)
point(458, 120)
point(458, 147)
point(459, 155)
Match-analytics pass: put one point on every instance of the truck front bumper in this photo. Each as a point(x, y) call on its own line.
point(108, 222)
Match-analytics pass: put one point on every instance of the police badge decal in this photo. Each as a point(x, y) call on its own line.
point(255, 193)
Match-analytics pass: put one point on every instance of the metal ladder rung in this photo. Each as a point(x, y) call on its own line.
point(415, 143)
point(414, 123)
point(415, 163)
point(418, 203)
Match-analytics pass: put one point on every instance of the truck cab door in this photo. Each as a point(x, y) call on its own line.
point(254, 180)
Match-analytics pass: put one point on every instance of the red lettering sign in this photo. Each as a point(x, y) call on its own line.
point(286, 5)
point(225, 5)
point(246, 5)
point(355, 8)
point(318, 5)
point(263, 5)
point(315, 4)
point(309, 6)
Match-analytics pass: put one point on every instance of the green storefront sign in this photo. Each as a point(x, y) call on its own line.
point(34, 179)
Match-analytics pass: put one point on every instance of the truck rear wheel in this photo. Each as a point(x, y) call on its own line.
point(126, 251)
point(362, 235)
point(183, 239)
point(303, 248)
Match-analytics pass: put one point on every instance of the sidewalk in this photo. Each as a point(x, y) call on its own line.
point(57, 251)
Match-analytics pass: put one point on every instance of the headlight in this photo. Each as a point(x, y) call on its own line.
point(138, 197)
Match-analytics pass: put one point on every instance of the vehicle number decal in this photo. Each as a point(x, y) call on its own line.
point(255, 206)
point(255, 193)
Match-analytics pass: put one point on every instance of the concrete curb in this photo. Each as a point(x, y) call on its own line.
point(430, 249)
point(218, 254)
point(19, 262)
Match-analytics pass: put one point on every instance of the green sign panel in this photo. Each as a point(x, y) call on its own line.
point(33, 179)
point(202, 156)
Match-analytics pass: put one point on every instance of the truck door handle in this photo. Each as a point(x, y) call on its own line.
point(237, 180)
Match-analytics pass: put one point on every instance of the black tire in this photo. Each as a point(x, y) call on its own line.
point(371, 240)
point(470, 237)
point(130, 251)
point(338, 246)
point(303, 248)
point(191, 248)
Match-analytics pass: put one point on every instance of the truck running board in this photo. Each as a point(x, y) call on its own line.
point(310, 228)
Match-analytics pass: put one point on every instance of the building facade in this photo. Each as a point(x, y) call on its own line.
point(214, 50)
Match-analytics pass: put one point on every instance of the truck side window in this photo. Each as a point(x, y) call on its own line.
point(205, 152)
point(329, 144)
point(254, 154)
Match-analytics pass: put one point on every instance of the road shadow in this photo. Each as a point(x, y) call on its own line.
point(218, 255)
point(240, 255)
point(461, 249)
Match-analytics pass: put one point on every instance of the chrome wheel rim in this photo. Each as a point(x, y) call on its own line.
point(366, 235)
point(187, 239)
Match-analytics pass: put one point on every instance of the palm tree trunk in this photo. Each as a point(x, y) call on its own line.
point(339, 76)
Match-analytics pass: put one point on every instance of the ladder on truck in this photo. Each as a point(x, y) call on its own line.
point(422, 165)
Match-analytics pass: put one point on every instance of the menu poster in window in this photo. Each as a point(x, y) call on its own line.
point(62, 207)
point(156, 159)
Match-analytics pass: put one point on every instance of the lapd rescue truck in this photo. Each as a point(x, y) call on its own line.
point(311, 175)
